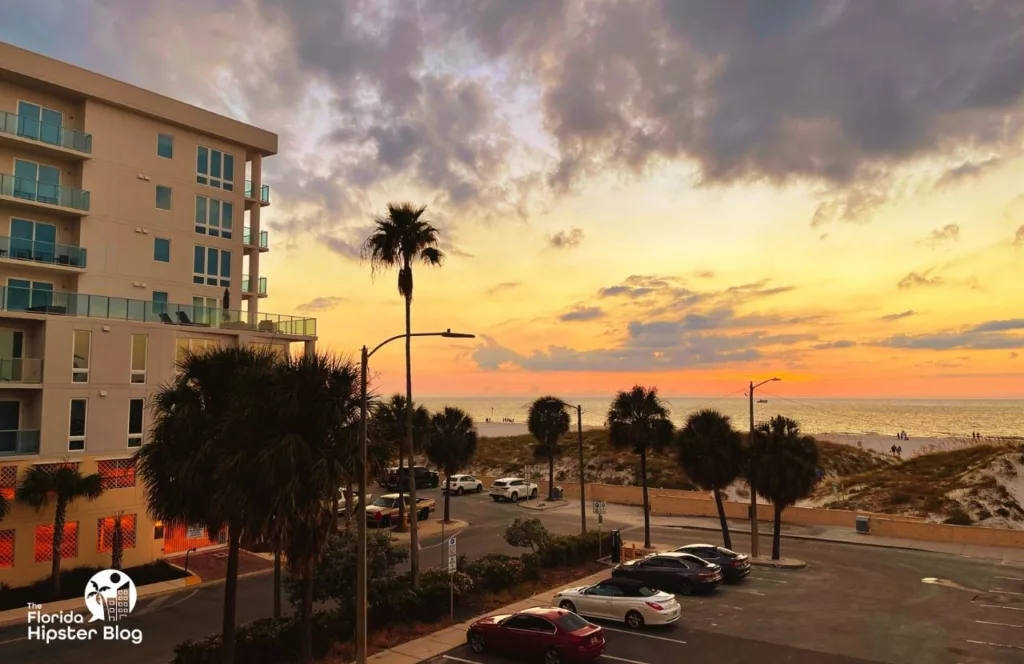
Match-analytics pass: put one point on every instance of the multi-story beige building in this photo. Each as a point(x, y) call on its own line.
point(129, 232)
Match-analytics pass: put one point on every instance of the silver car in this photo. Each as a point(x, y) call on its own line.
point(624, 600)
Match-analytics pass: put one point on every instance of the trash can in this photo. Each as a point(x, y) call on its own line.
point(558, 493)
point(616, 547)
point(863, 524)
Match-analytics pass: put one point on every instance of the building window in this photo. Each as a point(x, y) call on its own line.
point(8, 481)
point(215, 169)
point(165, 146)
point(281, 350)
point(205, 310)
point(105, 533)
point(159, 302)
point(44, 542)
point(163, 197)
point(183, 346)
point(80, 356)
point(33, 241)
point(213, 217)
point(6, 548)
point(76, 427)
point(116, 473)
point(140, 347)
point(211, 267)
point(135, 412)
point(39, 123)
point(36, 182)
point(161, 250)
point(25, 295)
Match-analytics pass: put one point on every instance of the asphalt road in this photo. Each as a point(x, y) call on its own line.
point(852, 603)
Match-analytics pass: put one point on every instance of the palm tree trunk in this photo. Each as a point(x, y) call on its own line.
point(778, 529)
point(551, 478)
point(306, 635)
point(414, 544)
point(227, 649)
point(348, 505)
point(277, 581)
point(447, 497)
point(401, 489)
point(647, 500)
point(59, 517)
point(726, 538)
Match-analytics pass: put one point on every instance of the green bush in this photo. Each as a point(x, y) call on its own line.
point(531, 566)
point(267, 641)
point(336, 573)
point(74, 580)
point(527, 533)
point(496, 571)
point(394, 600)
point(958, 517)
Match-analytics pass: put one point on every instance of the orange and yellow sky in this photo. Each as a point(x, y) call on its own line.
point(675, 193)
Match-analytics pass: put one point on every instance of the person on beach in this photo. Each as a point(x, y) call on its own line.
point(893, 449)
point(899, 451)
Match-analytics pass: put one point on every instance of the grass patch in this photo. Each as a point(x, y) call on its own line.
point(74, 580)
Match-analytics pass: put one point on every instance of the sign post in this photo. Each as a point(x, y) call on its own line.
point(452, 565)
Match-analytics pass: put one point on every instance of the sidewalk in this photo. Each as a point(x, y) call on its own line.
point(634, 516)
point(444, 640)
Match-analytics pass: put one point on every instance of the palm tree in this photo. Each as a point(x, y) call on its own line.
point(304, 462)
point(63, 483)
point(213, 412)
point(117, 541)
point(710, 451)
point(451, 445)
point(5, 506)
point(638, 421)
point(389, 430)
point(397, 241)
point(781, 466)
point(548, 421)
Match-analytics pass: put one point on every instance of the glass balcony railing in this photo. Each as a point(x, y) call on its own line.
point(21, 370)
point(58, 303)
point(264, 191)
point(44, 132)
point(247, 285)
point(43, 192)
point(264, 239)
point(19, 441)
point(42, 252)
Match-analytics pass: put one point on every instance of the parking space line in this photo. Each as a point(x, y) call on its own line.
point(996, 645)
point(1000, 606)
point(985, 622)
point(459, 659)
point(748, 592)
point(764, 578)
point(1006, 592)
point(622, 659)
point(1011, 578)
point(641, 634)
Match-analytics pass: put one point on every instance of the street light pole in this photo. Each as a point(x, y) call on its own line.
point(754, 543)
point(583, 481)
point(362, 603)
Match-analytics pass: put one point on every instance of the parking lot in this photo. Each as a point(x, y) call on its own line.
point(851, 604)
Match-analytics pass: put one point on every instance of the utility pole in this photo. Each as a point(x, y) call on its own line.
point(361, 597)
point(754, 543)
point(583, 481)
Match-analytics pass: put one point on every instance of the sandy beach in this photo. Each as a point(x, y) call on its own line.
point(499, 429)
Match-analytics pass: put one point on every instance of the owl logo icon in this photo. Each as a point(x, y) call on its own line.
point(110, 595)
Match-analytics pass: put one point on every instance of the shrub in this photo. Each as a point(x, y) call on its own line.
point(527, 533)
point(394, 600)
point(958, 517)
point(496, 571)
point(266, 641)
point(74, 580)
point(1003, 512)
point(336, 572)
point(531, 566)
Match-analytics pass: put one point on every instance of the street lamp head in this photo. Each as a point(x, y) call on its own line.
point(448, 334)
point(776, 379)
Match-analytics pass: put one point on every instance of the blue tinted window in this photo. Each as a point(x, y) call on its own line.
point(229, 167)
point(163, 197)
point(165, 146)
point(162, 250)
point(203, 161)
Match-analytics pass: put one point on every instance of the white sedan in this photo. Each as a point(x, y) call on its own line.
point(512, 488)
point(624, 600)
point(460, 484)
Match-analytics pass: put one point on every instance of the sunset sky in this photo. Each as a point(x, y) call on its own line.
point(687, 194)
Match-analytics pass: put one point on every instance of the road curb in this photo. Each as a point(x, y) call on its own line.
point(782, 563)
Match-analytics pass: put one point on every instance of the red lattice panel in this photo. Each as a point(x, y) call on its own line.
point(6, 548)
point(8, 481)
point(105, 533)
point(117, 473)
point(44, 542)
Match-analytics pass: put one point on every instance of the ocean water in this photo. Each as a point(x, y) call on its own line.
point(918, 417)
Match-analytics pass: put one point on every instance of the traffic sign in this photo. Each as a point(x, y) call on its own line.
point(599, 507)
point(451, 547)
point(452, 564)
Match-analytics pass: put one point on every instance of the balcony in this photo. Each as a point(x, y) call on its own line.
point(247, 240)
point(36, 195)
point(15, 442)
point(15, 371)
point(264, 193)
point(247, 286)
point(64, 256)
point(58, 303)
point(32, 135)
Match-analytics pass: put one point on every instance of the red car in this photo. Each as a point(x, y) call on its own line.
point(540, 634)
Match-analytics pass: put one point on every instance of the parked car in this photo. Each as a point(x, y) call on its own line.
point(460, 484)
point(540, 634)
point(399, 478)
point(735, 566)
point(672, 572)
point(623, 599)
point(355, 501)
point(512, 488)
point(383, 512)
